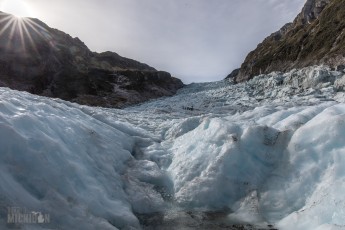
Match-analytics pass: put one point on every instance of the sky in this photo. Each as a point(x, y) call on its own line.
point(194, 40)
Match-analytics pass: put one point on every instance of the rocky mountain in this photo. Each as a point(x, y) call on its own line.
point(49, 62)
point(315, 37)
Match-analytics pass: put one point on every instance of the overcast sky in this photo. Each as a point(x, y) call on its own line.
point(195, 40)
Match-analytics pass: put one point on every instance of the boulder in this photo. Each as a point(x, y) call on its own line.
point(339, 84)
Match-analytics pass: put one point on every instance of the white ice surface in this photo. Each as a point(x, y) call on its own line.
point(270, 150)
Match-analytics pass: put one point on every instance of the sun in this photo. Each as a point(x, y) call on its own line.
point(18, 8)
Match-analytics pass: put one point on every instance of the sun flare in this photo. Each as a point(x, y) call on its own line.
point(21, 33)
point(18, 8)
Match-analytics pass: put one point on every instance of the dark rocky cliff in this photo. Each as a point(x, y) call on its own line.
point(49, 62)
point(315, 37)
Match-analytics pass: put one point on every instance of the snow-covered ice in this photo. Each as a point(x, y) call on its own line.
point(266, 152)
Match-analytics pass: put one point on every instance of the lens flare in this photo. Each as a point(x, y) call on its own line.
point(23, 30)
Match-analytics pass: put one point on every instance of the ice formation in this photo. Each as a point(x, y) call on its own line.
point(266, 152)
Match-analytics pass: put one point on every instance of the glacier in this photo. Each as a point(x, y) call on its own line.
point(264, 154)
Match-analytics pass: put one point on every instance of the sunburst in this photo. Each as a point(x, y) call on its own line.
point(26, 30)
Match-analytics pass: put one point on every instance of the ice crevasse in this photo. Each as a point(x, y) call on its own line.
point(286, 167)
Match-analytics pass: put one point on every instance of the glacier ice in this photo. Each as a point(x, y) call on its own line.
point(266, 152)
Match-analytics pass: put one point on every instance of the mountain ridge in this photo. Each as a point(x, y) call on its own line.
point(49, 62)
point(315, 37)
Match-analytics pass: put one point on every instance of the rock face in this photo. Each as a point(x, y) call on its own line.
point(49, 62)
point(315, 37)
point(233, 74)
